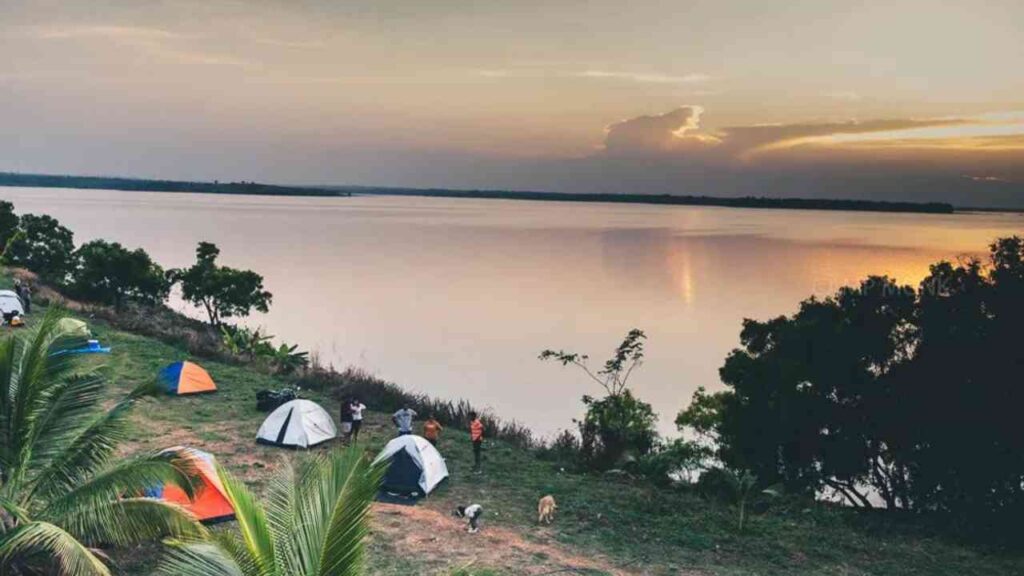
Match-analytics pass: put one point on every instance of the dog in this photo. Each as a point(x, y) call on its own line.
point(473, 512)
point(546, 509)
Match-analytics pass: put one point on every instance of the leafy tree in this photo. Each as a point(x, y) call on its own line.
point(108, 273)
point(42, 245)
point(223, 292)
point(8, 223)
point(964, 445)
point(63, 489)
point(314, 523)
point(913, 393)
point(617, 426)
point(803, 388)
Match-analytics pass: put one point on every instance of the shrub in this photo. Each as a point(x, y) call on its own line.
point(42, 245)
point(678, 459)
point(618, 428)
point(389, 397)
point(108, 273)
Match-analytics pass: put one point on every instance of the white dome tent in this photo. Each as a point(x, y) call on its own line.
point(416, 466)
point(10, 303)
point(297, 424)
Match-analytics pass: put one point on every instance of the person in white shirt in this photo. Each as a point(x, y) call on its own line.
point(473, 512)
point(356, 407)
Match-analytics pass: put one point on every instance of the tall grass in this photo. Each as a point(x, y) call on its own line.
point(386, 396)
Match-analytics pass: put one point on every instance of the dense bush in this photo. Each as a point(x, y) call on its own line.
point(42, 245)
point(108, 273)
point(914, 392)
point(675, 460)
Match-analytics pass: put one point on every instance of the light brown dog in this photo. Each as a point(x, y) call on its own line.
point(546, 509)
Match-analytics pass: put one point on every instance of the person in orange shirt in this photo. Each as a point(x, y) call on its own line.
point(476, 434)
point(432, 430)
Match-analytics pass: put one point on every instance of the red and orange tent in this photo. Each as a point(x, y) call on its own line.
point(209, 503)
point(186, 377)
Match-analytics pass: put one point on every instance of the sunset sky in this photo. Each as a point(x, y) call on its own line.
point(894, 99)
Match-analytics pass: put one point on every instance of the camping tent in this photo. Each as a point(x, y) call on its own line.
point(10, 303)
point(297, 424)
point(416, 466)
point(209, 503)
point(73, 328)
point(183, 378)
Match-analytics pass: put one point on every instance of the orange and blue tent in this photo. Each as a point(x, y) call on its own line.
point(209, 501)
point(186, 377)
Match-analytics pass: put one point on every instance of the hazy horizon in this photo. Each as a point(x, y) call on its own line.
point(914, 101)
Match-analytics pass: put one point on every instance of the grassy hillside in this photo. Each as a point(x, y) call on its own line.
point(605, 524)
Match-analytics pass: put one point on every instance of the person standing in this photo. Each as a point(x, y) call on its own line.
point(356, 409)
point(476, 435)
point(432, 430)
point(403, 420)
point(21, 289)
point(346, 418)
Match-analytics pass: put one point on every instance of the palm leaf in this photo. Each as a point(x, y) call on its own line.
point(252, 523)
point(343, 548)
point(49, 545)
point(198, 559)
point(81, 456)
point(130, 521)
point(105, 509)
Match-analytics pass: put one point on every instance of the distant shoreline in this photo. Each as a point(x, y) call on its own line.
point(673, 200)
point(243, 187)
point(143, 185)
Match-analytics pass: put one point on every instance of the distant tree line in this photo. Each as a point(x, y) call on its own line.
point(243, 187)
point(107, 273)
point(146, 185)
point(906, 397)
point(674, 200)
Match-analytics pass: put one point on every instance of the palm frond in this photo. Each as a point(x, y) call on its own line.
point(49, 544)
point(83, 455)
point(198, 559)
point(32, 378)
point(9, 445)
point(71, 409)
point(129, 478)
point(280, 502)
point(343, 548)
point(252, 523)
point(130, 521)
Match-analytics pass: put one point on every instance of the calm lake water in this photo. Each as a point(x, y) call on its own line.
point(457, 297)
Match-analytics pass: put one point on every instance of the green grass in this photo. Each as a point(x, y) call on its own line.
point(634, 526)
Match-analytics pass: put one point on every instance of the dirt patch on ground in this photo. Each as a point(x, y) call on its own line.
point(442, 544)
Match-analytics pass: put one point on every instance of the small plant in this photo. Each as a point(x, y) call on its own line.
point(742, 486)
point(242, 341)
point(618, 427)
point(285, 360)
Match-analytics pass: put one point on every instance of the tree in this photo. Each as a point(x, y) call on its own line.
point(63, 489)
point(223, 292)
point(8, 223)
point(618, 425)
point(108, 273)
point(914, 394)
point(964, 443)
point(808, 395)
point(42, 245)
point(314, 523)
